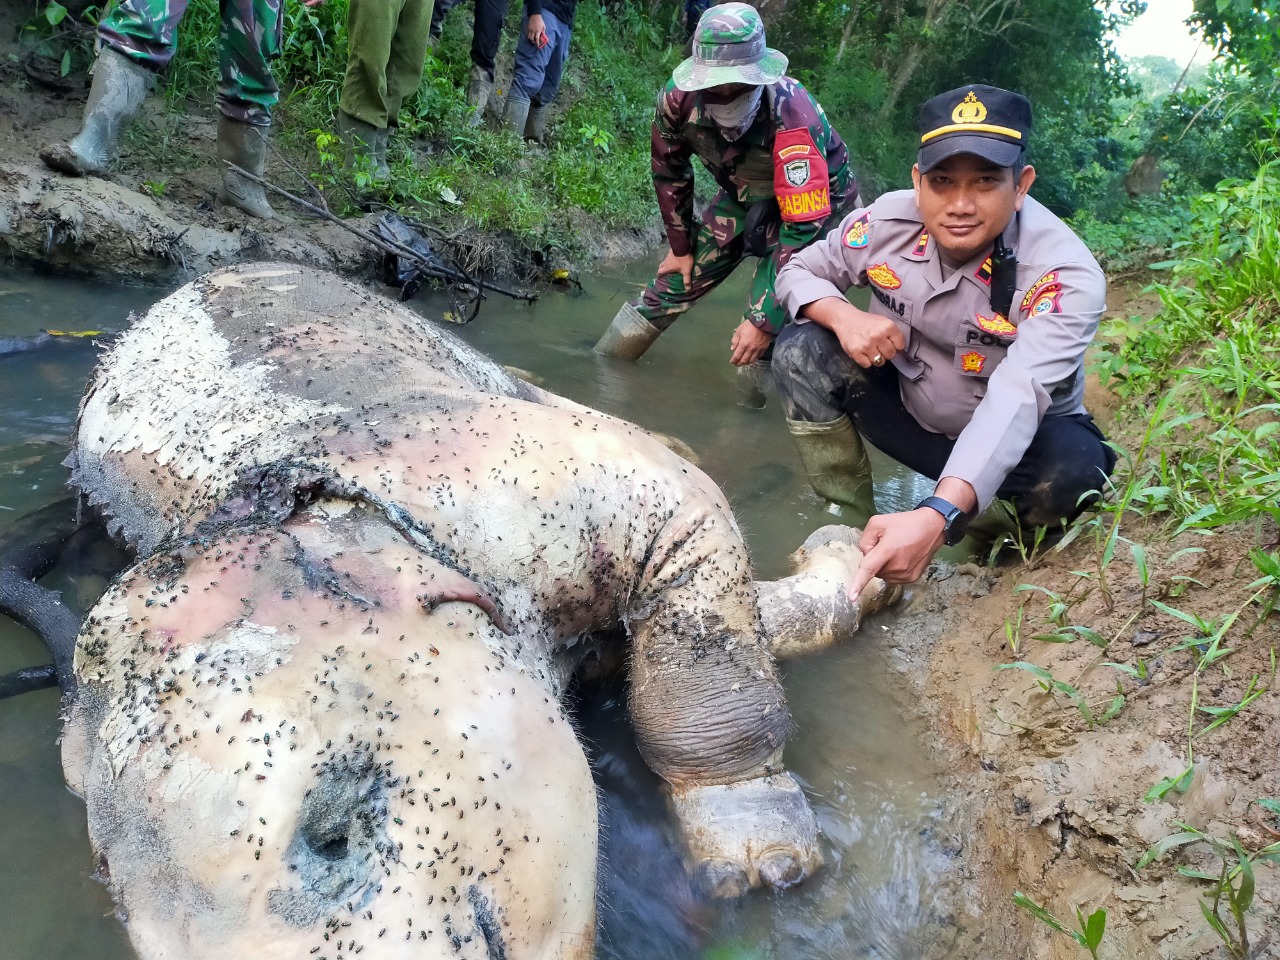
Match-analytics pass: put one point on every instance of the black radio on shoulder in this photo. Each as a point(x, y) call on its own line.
point(1004, 277)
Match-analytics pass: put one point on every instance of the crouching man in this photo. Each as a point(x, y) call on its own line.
point(969, 365)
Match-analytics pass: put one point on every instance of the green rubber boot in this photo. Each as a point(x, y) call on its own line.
point(516, 115)
point(364, 140)
point(479, 86)
point(119, 87)
point(245, 145)
point(836, 462)
point(535, 127)
point(629, 336)
point(986, 532)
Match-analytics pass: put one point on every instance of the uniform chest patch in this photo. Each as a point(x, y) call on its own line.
point(859, 233)
point(972, 362)
point(882, 276)
point(1050, 279)
point(998, 325)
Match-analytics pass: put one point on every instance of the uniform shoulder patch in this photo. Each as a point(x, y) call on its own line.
point(801, 181)
point(882, 275)
point(1049, 279)
point(983, 273)
point(1048, 300)
point(859, 233)
point(922, 244)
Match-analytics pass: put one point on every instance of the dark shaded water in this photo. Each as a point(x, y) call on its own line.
point(874, 792)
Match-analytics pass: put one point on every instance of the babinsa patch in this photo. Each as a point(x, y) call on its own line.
point(801, 181)
point(859, 232)
point(882, 276)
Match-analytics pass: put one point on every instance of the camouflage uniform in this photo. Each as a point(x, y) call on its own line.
point(251, 36)
point(747, 171)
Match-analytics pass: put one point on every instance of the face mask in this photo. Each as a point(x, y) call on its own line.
point(735, 117)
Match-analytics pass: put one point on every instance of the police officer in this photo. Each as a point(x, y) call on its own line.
point(969, 365)
point(137, 39)
point(783, 175)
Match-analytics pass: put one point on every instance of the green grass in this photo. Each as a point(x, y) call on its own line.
point(1201, 382)
point(444, 171)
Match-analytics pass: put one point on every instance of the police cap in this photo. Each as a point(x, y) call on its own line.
point(995, 124)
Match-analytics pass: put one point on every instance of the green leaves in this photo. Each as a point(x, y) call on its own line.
point(1180, 783)
point(1092, 928)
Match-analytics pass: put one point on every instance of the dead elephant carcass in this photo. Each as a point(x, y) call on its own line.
point(321, 715)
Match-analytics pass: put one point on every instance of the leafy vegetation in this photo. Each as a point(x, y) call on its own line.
point(1208, 457)
point(1092, 927)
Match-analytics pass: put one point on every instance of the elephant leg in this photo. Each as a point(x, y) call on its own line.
point(810, 610)
point(710, 716)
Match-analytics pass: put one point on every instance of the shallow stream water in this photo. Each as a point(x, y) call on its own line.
point(855, 747)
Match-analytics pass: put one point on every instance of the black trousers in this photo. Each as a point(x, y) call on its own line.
point(1062, 471)
point(487, 35)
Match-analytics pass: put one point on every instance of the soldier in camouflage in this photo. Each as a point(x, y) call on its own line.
point(783, 175)
point(136, 41)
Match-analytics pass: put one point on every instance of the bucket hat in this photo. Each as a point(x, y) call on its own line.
point(728, 47)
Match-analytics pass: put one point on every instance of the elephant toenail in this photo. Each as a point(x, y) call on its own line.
point(723, 880)
point(782, 870)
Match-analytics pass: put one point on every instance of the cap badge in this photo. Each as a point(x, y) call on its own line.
point(969, 110)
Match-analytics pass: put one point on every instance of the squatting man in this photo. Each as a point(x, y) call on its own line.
point(969, 365)
point(781, 170)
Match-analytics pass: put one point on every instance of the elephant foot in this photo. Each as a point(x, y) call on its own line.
point(758, 832)
point(811, 610)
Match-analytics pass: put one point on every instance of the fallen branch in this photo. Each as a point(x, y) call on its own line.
point(389, 246)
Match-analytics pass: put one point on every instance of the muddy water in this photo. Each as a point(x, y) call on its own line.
point(855, 748)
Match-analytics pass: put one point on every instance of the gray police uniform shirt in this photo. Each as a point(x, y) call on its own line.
point(984, 380)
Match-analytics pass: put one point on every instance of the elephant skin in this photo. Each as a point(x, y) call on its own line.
point(321, 715)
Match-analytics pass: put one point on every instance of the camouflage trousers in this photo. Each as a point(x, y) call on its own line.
point(665, 298)
point(250, 37)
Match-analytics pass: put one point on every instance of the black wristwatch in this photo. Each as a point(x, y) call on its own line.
point(957, 520)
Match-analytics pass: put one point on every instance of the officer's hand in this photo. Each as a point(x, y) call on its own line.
point(897, 547)
point(869, 339)
point(748, 344)
point(313, 3)
point(681, 265)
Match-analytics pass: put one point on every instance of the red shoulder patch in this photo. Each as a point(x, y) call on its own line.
point(801, 181)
